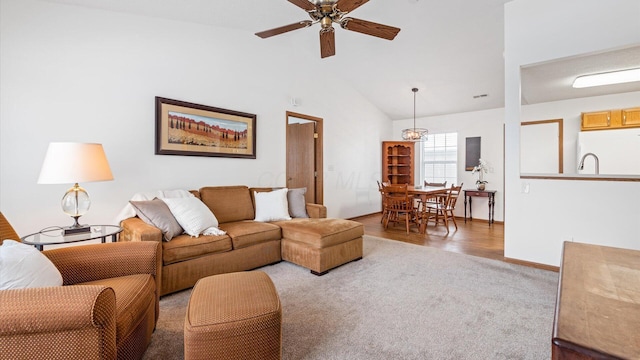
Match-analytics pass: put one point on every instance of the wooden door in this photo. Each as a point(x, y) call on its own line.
point(300, 158)
point(304, 155)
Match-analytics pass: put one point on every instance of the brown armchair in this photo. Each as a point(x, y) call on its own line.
point(106, 309)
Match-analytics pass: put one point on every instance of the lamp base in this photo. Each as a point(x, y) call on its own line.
point(72, 230)
point(76, 228)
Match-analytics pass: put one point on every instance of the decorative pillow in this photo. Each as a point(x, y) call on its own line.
point(23, 266)
point(156, 213)
point(128, 211)
point(297, 203)
point(194, 216)
point(272, 205)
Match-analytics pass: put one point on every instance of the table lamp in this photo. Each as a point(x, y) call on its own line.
point(73, 163)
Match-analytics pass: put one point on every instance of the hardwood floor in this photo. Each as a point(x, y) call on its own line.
point(475, 238)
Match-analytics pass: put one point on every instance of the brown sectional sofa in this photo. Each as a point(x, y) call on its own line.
point(317, 243)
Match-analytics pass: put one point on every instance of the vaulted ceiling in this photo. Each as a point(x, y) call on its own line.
point(451, 50)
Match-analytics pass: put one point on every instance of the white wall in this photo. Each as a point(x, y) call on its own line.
point(74, 74)
point(488, 125)
point(599, 212)
point(616, 151)
point(570, 111)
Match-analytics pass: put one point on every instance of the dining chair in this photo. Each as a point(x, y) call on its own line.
point(443, 212)
point(381, 186)
point(434, 184)
point(440, 198)
point(399, 206)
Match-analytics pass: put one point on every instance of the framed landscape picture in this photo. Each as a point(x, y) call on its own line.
point(184, 128)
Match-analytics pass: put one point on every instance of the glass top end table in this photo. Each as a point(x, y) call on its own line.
point(55, 235)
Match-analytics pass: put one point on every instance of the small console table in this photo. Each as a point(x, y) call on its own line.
point(56, 235)
point(598, 305)
point(491, 194)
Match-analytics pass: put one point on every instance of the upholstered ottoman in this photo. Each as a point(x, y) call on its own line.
point(321, 244)
point(233, 316)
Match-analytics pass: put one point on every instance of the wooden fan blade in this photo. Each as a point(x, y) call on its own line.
point(370, 28)
point(283, 29)
point(304, 4)
point(346, 6)
point(327, 43)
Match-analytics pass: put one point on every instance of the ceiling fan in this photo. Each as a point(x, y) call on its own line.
point(327, 12)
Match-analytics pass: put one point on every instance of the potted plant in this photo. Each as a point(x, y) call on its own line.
point(481, 169)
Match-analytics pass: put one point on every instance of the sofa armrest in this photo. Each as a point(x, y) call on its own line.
point(83, 263)
point(134, 229)
point(63, 322)
point(316, 211)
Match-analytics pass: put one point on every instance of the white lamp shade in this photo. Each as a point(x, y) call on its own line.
point(68, 163)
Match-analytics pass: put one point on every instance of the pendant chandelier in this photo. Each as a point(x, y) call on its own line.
point(414, 134)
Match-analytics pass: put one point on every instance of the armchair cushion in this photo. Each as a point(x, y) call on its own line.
point(135, 294)
point(23, 266)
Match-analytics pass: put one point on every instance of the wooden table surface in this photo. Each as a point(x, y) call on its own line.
point(426, 191)
point(598, 305)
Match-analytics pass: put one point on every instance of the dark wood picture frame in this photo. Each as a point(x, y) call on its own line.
point(184, 128)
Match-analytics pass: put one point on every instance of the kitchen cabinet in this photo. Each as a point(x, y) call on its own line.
point(611, 119)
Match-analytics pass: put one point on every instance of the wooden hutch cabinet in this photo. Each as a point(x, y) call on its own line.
point(398, 162)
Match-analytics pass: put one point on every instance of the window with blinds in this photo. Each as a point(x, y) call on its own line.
point(440, 158)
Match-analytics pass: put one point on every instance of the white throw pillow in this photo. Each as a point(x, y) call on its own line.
point(193, 215)
point(23, 266)
point(272, 205)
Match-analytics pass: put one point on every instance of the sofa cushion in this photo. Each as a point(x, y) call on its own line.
point(320, 233)
point(228, 203)
point(134, 295)
point(249, 232)
point(184, 247)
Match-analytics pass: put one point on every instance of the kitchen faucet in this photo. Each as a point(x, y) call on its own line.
point(581, 165)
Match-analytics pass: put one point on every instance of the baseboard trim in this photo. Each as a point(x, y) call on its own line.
point(457, 218)
point(480, 220)
point(363, 215)
point(532, 264)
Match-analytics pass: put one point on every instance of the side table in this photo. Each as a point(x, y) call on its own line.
point(56, 235)
point(491, 194)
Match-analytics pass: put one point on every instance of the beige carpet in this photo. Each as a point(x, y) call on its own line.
point(401, 301)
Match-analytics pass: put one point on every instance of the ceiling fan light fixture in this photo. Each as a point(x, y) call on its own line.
point(608, 78)
point(414, 134)
point(327, 12)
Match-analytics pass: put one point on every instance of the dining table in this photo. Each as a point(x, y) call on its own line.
point(423, 193)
